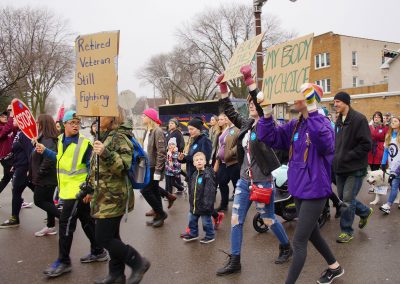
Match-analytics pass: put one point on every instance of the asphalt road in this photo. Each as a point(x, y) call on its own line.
point(372, 257)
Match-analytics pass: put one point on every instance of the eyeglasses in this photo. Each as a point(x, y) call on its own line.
point(74, 123)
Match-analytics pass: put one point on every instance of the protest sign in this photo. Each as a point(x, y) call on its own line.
point(24, 118)
point(97, 74)
point(286, 68)
point(243, 55)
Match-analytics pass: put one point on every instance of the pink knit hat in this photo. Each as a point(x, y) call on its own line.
point(152, 114)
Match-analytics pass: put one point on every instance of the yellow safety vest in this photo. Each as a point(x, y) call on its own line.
point(71, 171)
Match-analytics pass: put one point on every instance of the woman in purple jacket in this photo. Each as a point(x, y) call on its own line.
point(310, 141)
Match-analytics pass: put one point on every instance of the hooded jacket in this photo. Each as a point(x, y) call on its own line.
point(352, 143)
point(309, 176)
point(115, 191)
point(202, 191)
point(200, 144)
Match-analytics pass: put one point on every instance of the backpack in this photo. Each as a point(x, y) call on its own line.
point(139, 172)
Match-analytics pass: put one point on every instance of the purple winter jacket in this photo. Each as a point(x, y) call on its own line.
point(310, 179)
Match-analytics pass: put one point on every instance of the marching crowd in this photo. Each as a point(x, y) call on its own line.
point(89, 179)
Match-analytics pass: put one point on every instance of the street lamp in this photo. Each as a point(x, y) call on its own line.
point(257, 4)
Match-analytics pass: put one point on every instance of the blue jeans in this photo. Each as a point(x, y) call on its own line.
point(348, 188)
point(241, 205)
point(394, 190)
point(208, 226)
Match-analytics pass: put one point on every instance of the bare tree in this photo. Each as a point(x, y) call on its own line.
point(205, 46)
point(17, 33)
point(197, 81)
point(53, 64)
point(36, 55)
point(216, 33)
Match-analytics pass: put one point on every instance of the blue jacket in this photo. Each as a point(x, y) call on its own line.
point(309, 176)
point(22, 148)
point(201, 144)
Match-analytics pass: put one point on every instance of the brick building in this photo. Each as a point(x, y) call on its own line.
point(353, 64)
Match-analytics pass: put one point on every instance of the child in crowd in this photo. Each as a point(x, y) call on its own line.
point(172, 167)
point(202, 191)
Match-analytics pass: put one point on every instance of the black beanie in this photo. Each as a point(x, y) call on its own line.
point(343, 96)
point(196, 122)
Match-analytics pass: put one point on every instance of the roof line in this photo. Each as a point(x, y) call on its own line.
point(330, 32)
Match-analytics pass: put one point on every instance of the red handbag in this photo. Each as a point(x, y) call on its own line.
point(257, 193)
point(260, 194)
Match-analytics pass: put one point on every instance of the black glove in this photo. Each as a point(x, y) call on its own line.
point(383, 167)
point(391, 178)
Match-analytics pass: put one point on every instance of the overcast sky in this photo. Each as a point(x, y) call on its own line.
point(148, 27)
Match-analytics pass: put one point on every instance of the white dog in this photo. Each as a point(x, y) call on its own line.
point(379, 181)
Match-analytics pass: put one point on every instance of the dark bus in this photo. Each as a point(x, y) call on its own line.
point(186, 111)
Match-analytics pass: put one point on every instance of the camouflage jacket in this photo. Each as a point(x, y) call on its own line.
point(110, 198)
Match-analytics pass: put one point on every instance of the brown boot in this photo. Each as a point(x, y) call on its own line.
point(171, 199)
point(150, 213)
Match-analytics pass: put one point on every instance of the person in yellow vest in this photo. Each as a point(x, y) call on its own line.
point(73, 162)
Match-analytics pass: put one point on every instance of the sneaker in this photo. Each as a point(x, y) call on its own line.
point(57, 268)
point(207, 240)
point(364, 221)
point(187, 232)
point(344, 238)
point(46, 231)
point(189, 238)
point(218, 220)
point(329, 275)
point(26, 204)
point(95, 257)
point(10, 223)
point(385, 208)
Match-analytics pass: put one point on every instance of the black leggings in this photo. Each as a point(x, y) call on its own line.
point(307, 229)
point(173, 181)
point(152, 194)
point(43, 198)
point(107, 236)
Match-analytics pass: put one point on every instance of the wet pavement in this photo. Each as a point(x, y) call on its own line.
point(372, 257)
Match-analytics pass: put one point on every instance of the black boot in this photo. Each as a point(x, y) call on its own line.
point(111, 279)
point(285, 251)
point(233, 266)
point(139, 266)
point(159, 220)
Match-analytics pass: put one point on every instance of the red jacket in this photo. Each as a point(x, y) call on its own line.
point(378, 139)
point(6, 137)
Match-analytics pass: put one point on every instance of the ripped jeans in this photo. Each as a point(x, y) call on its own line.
point(241, 205)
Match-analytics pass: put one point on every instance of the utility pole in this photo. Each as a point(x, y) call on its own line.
point(258, 4)
point(257, 15)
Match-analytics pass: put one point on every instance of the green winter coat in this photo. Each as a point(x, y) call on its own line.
point(110, 199)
